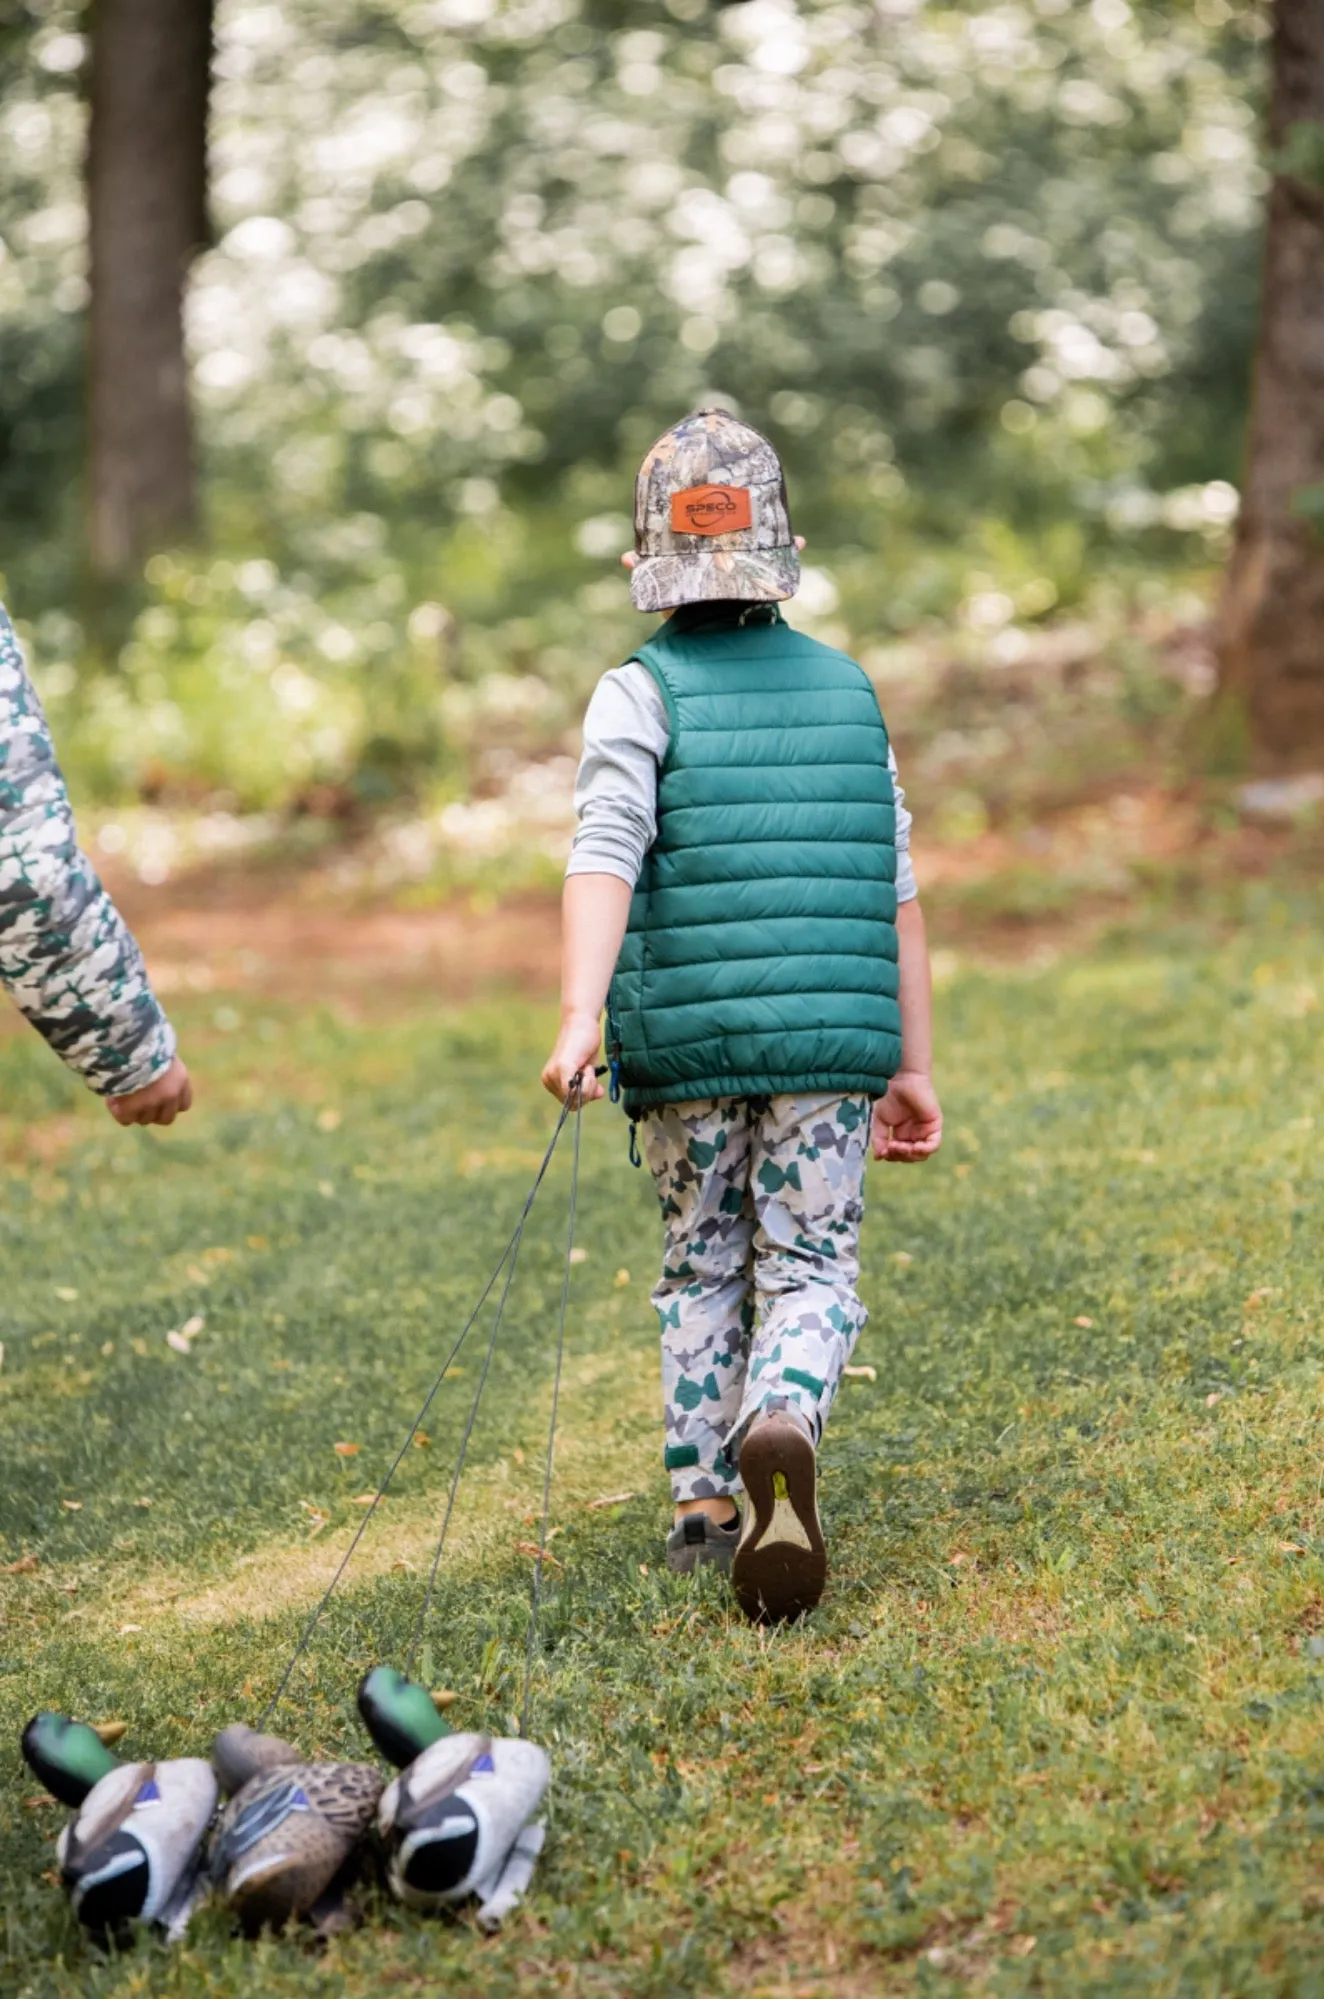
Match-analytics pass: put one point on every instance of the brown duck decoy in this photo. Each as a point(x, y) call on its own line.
point(287, 1845)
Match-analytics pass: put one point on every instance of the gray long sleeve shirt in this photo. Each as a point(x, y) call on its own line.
point(626, 733)
point(66, 955)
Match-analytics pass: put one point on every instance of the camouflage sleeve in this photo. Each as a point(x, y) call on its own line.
point(66, 954)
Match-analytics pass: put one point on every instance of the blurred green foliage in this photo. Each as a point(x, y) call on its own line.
point(986, 272)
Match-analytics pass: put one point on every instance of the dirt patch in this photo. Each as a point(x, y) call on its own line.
point(288, 944)
point(1008, 893)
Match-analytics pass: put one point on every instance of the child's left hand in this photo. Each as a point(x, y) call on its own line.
point(907, 1122)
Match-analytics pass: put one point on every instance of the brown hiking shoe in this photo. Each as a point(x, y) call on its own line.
point(780, 1566)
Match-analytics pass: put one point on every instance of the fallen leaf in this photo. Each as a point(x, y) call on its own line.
point(1022, 1946)
point(366, 1498)
point(111, 1732)
point(26, 1565)
point(69, 1589)
point(861, 1373)
point(1255, 1300)
point(643, 1568)
point(443, 1697)
point(257, 1241)
point(329, 1119)
point(1290, 1548)
point(1083, 1321)
point(144, 1503)
point(126, 1629)
point(178, 1342)
point(33, 1805)
point(531, 1548)
point(610, 1499)
point(192, 1327)
point(347, 1450)
point(902, 1256)
point(72, 1505)
point(518, 1455)
point(955, 1561)
point(421, 1440)
point(66, 1292)
point(578, 1255)
point(1210, 1400)
point(621, 1279)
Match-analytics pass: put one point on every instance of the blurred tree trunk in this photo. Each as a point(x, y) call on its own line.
point(147, 218)
point(1272, 637)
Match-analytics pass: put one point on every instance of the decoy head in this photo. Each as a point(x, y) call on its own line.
point(399, 1715)
point(240, 1753)
point(66, 1756)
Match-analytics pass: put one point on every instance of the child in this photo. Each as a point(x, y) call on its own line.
point(66, 954)
point(741, 879)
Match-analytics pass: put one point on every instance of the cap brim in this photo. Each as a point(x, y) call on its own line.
point(714, 576)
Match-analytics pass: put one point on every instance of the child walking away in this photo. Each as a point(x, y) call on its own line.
point(741, 880)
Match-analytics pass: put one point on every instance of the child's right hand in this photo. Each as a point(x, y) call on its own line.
point(575, 1053)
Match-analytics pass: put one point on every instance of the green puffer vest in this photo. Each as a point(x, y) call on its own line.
point(761, 951)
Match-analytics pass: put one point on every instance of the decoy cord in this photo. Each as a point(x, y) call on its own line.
point(536, 1598)
point(509, 1255)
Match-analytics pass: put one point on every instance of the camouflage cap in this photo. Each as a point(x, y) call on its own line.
point(710, 518)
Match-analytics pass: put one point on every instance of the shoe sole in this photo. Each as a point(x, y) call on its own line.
point(780, 1567)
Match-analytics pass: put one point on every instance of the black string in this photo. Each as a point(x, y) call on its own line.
point(426, 1604)
point(551, 1428)
point(511, 1251)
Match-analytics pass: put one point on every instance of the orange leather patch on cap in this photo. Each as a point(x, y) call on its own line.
point(711, 510)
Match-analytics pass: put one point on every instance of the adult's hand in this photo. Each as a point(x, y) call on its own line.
point(160, 1102)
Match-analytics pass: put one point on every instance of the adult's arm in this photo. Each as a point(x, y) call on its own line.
point(67, 957)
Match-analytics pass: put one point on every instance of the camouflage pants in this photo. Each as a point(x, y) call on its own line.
point(762, 1199)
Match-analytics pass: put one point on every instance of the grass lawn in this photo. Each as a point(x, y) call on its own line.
point(1057, 1725)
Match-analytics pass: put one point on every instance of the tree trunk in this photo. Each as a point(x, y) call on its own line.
point(147, 217)
point(1272, 636)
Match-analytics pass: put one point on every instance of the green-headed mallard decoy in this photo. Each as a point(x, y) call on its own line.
point(133, 1847)
point(459, 1819)
point(287, 1843)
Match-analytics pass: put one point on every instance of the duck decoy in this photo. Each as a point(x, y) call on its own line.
point(287, 1843)
point(133, 1847)
point(459, 1819)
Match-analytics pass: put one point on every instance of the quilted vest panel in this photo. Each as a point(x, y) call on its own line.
point(760, 957)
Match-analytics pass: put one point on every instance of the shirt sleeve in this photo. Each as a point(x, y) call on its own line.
point(906, 886)
point(626, 733)
point(66, 955)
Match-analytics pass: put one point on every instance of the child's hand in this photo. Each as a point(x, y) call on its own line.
point(907, 1122)
point(575, 1053)
point(160, 1102)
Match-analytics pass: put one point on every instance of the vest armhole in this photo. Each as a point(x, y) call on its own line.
point(659, 680)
